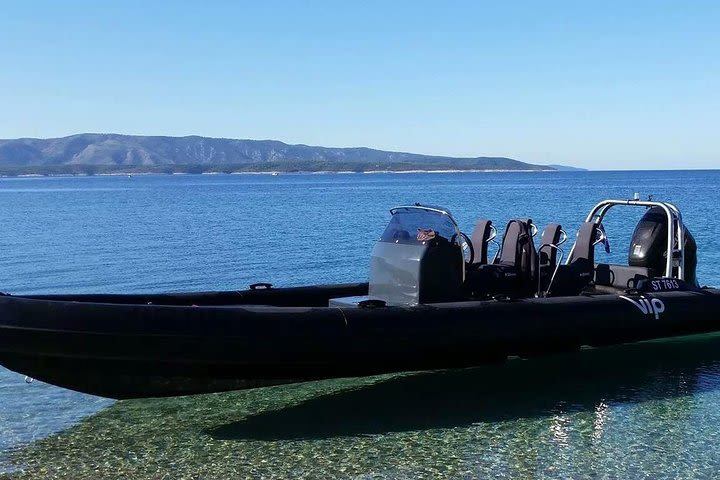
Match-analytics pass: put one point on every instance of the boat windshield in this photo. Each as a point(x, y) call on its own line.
point(419, 224)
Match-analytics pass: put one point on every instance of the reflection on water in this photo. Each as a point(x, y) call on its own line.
point(640, 411)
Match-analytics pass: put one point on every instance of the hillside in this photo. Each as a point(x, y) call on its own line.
point(100, 153)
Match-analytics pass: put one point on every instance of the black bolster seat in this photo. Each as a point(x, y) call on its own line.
point(573, 277)
point(548, 253)
point(511, 243)
point(528, 257)
point(551, 235)
point(513, 273)
point(647, 255)
point(480, 238)
point(621, 277)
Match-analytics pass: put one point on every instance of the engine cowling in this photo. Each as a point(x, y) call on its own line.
point(648, 247)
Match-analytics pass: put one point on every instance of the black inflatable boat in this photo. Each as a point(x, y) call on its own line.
point(435, 299)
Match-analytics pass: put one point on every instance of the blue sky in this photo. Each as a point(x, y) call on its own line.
point(631, 84)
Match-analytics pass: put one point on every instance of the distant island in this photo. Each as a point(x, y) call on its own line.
point(101, 153)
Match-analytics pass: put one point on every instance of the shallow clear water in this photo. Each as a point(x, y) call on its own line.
point(642, 411)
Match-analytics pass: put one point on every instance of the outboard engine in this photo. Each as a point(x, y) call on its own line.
point(418, 258)
point(648, 247)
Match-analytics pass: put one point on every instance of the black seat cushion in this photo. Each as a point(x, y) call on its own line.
point(548, 254)
point(621, 276)
point(514, 274)
point(493, 279)
point(572, 278)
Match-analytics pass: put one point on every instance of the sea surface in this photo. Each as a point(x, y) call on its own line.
point(649, 410)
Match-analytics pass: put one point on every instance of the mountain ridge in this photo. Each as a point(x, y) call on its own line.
point(107, 152)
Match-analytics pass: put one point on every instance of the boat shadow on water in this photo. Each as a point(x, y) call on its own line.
point(561, 384)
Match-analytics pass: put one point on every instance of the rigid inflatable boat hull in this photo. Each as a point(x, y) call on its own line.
point(138, 350)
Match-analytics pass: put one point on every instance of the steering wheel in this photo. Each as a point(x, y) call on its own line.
point(467, 243)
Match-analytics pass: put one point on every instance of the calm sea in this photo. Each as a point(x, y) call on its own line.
point(643, 411)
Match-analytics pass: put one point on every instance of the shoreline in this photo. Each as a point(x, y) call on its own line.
point(277, 173)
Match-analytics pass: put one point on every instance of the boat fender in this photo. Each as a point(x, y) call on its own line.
point(261, 286)
point(372, 303)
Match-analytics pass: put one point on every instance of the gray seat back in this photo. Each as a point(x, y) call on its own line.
point(585, 243)
point(518, 249)
point(480, 238)
point(550, 236)
point(511, 243)
point(572, 278)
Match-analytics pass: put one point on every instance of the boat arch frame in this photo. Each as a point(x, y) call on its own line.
point(675, 233)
